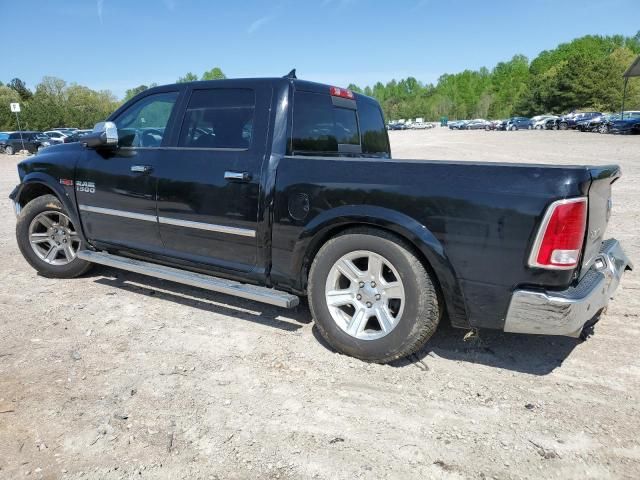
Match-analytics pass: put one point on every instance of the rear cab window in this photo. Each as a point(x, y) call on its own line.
point(335, 126)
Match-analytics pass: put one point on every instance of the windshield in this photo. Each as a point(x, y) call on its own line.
point(4, 136)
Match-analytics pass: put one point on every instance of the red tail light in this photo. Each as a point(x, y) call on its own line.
point(342, 92)
point(559, 240)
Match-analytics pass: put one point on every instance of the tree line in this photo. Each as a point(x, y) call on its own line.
point(56, 103)
point(584, 74)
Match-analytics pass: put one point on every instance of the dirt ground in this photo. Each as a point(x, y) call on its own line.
point(117, 375)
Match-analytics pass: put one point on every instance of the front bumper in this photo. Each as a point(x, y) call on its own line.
point(567, 312)
point(14, 200)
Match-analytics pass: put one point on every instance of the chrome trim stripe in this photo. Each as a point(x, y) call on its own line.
point(211, 227)
point(119, 213)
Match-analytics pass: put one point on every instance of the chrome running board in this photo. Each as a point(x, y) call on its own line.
point(207, 282)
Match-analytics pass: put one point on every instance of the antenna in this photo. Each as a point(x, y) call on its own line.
point(291, 74)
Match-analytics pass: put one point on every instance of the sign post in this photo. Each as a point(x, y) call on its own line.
point(15, 108)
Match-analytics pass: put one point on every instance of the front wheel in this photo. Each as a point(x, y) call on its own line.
point(371, 297)
point(563, 126)
point(9, 150)
point(514, 128)
point(49, 240)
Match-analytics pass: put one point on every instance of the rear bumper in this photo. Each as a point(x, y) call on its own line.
point(566, 312)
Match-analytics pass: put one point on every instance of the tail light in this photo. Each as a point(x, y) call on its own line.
point(561, 234)
point(341, 92)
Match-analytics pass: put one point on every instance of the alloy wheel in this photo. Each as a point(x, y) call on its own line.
point(53, 238)
point(365, 295)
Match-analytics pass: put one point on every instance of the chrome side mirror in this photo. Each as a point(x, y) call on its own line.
point(104, 134)
point(108, 131)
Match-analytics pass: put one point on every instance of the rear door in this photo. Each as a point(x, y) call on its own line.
point(209, 187)
point(116, 189)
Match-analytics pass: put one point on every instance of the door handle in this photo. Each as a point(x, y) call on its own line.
point(237, 176)
point(141, 168)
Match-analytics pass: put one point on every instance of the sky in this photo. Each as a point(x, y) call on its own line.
point(119, 44)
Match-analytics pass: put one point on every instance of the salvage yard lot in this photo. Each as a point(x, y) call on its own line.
point(117, 375)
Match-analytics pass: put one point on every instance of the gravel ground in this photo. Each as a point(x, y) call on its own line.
point(116, 375)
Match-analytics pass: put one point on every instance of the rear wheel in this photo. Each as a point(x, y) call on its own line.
point(371, 297)
point(49, 240)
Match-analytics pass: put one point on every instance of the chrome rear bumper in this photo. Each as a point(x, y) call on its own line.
point(566, 312)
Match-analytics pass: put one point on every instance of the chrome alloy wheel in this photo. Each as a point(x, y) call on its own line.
point(365, 295)
point(53, 238)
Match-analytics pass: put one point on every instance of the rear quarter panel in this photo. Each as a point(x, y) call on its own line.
point(474, 222)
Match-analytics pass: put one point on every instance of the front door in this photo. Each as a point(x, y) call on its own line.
point(116, 189)
point(208, 190)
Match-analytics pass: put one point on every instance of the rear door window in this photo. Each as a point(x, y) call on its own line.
point(220, 118)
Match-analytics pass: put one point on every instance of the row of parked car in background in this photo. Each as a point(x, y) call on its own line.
point(402, 124)
point(34, 141)
point(627, 123)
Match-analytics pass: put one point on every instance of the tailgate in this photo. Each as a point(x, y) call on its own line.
point(599, 211)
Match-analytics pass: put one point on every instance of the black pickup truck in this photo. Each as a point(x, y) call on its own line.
point(275, 188)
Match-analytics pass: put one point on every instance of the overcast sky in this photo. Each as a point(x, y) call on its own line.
point(118, 44)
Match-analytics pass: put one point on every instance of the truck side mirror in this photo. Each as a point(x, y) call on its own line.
point(105, 134)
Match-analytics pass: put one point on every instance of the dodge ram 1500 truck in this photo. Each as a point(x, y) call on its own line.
point(270, 189)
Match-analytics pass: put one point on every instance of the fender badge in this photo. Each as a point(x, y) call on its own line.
point(66, 182)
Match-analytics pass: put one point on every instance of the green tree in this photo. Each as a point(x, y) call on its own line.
point(188, 77)
point(21, 88)
point(132, 92)
point(213, 74)
point(7, 119)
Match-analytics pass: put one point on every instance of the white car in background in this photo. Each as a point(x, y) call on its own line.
point(56, 136)
point(421, 125)
point(539, 121)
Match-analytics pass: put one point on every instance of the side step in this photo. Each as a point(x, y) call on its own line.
point(237, 289)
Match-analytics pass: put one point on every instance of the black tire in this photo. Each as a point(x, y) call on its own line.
point(36, 206)
point(421, 313)
point(9, 150)
point(563, 126)
point(514, 128)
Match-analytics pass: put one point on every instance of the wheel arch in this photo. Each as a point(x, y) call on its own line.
point(37, 184)
point(425, 245)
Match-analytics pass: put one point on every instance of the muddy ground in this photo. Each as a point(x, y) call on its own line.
point(116, 375)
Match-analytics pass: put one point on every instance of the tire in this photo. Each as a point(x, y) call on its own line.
point(514, 128)
point(563, 126)
point(61, 263)
point(410, 322)
point(9, 150)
